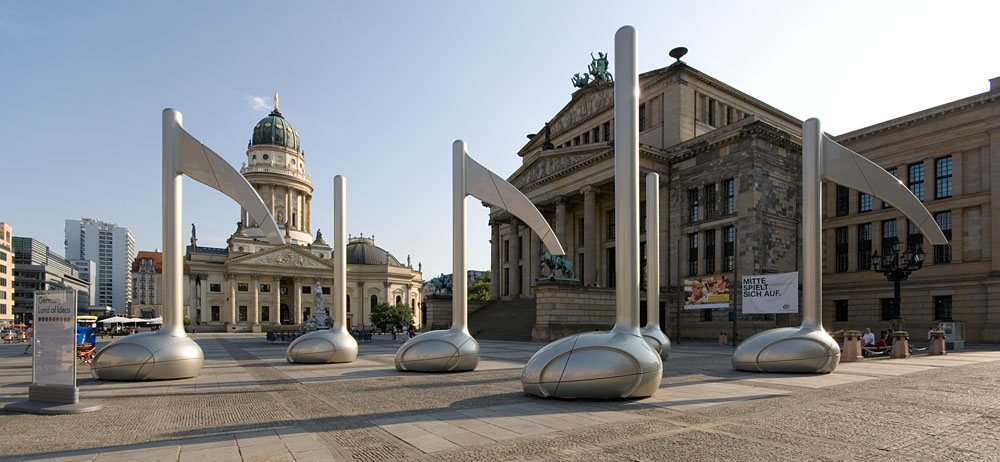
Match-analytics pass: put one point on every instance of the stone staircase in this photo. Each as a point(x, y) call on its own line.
point(505, 320)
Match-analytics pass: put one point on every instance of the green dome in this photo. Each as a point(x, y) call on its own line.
point(275, 130)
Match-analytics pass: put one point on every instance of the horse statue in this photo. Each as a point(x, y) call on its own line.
point(599, 68)
point(442, 283)
point(580, 80)
point(555, 262)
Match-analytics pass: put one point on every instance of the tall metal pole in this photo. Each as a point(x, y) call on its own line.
point(812, 251)
point(340, 253)
point(653, 249)
point(459, 283)
point(173, 263)
point(626, 182)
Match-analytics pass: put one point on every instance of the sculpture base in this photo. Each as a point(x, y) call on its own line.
point(788, 349)
point(657, 340)
point(323, 346)
point(148, 356)
point(439, 351)
point(605, 365)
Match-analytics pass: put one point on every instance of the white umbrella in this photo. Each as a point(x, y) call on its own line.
point(115, 319)
point(157, 320)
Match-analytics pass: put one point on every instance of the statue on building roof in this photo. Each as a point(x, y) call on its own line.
point(548, 137)
point(598, 69)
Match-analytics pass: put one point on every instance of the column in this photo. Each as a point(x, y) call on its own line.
point(515, 258)
point(297, 310)
point(255, 307)
point(308, 222)
point(589, 235)
point(534, 261)
point(192, 296)
point(276, 309)
point(494, 260)
point(361, 304)
point(205, 315)
point(231, 312)
point(288, 207)
point(561, 222)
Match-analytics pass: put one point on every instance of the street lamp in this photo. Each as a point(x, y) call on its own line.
point(897, 267)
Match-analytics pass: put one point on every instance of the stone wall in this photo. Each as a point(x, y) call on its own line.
point(564, 309)
point(438, 309)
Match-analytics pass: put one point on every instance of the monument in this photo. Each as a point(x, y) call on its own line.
point(335, 344)
point(455, 349)
point(169, 353)
point(651, 332)
point(616, 363)
point(808, 348)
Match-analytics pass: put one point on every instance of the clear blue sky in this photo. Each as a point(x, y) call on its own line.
point(378, 90)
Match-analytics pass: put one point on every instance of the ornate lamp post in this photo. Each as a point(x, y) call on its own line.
point(897, 267)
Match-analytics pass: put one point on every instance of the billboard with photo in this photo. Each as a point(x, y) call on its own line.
point(706, 292)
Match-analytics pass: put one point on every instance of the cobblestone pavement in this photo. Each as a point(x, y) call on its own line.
point(249, 404)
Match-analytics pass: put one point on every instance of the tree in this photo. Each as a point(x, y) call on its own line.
point(397, 315)
point(479, 290)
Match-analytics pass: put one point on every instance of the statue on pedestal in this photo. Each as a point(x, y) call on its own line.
point(318, 319)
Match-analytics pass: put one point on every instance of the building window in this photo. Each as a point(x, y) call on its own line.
point(243, 313)
point(642, 117)
point(307, 289)
point(607, 131)
point(894, 172)
point(265, 287)
point(864, 202)
point(864, 246)
point(374, 301)
point(215, 287)
point(916, 179)
point(942, 253)
point(841, 310)
point(706, 315)
point(265, 314)
point(843, 200)
point(579, 231)
point(611, 224)
point(914, 240)
point(841, 235)
point(692, 254)
point(612, 268)
point(729, 249)
point(306, 312)
point(216, 313)
point(596, 132)
point(326, 291)
point(586, 140)
point(242, 287)
point(889, 238)
point(942, 177)
point(942, 308)
point(506, 250)
point(710, 251)
point(889, 310)
point(576, 141)
point(692, 205)
point(711, 112)
point(729, 207)
point(710, 202)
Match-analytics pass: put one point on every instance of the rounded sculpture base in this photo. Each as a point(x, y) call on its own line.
point(323, 346)
point(148, 356)
point(439, 351)
point(601, 365)
point(657, 340)
point(788, 349)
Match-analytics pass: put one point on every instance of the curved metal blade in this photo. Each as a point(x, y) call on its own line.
point(848, 168)
point(490, 188)
point(207, 167)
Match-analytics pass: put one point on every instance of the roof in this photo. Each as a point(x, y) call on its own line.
point(157, 260)
point(275, 130)
point(363, 251)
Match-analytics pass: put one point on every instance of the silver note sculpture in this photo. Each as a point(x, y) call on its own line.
point(334, 345)
point(454, 349)
point(808, 348)
point(169, 353)
point(651, 331)
point(617, 363)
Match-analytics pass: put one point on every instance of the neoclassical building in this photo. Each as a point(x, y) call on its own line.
point(730, 197)
point(251, 285)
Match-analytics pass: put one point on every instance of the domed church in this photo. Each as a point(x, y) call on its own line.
point(251, 285)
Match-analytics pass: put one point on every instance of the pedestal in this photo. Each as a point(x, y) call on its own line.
point(852, 347)
point(900, 345)
point(937, 346)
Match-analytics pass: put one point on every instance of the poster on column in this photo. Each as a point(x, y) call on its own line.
point(706, 292)
point(771, 293)
point(54, 338)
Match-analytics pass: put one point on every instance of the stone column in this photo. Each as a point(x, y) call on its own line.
point(534, 260)
point(361, 304)
point(276, 309)
point(255, 307)
point(515, 258)
point(308, 224)
point(205, 310)
point(297, 296)
point(589, 235)
point(288, 207)
point(494, 260)
point(561, 222)
point(243, 215)
point(231, 312)
point(192, 296)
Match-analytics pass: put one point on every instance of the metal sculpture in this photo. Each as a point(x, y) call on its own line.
point(334, 345)
point(616, 363)
point(558, 263)
point(651, 331)
point(169, 353)
point(455, 349)
point(808, 348)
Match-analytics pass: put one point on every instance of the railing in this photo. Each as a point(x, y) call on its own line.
point(283, 171)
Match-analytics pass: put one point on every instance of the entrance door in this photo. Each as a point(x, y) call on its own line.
point(285, 315)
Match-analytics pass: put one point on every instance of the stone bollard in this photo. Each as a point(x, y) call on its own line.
point(852, 347)
point(937, 343)
point(900, 345)
point(723, 338)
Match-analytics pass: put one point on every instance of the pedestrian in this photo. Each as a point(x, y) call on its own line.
point(394, 332)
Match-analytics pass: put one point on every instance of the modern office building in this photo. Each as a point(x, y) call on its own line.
point(88, 271)
point(6, 275)
point(113, 249)
point(36, 267)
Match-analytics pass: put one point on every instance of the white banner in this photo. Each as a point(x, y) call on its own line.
point(771, 293)
point(55, 338)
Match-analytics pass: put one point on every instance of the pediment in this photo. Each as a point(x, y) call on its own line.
point(584, 107)
point(546, 166)
point(289, 256)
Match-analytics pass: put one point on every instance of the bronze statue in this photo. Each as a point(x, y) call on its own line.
point(555, 262)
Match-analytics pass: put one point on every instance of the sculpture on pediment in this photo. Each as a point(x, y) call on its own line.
point(554, 263)
point(581, 80)
point(599, 68)
point(548, 138)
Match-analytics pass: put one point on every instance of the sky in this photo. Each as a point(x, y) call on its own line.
point(378, 90)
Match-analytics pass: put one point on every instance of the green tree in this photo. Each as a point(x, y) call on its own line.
point(479, 290)
point(386, 314)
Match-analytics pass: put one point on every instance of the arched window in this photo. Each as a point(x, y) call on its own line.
point(348, 303)
point(374, 301)
point(398, 300)
point(413, 303)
